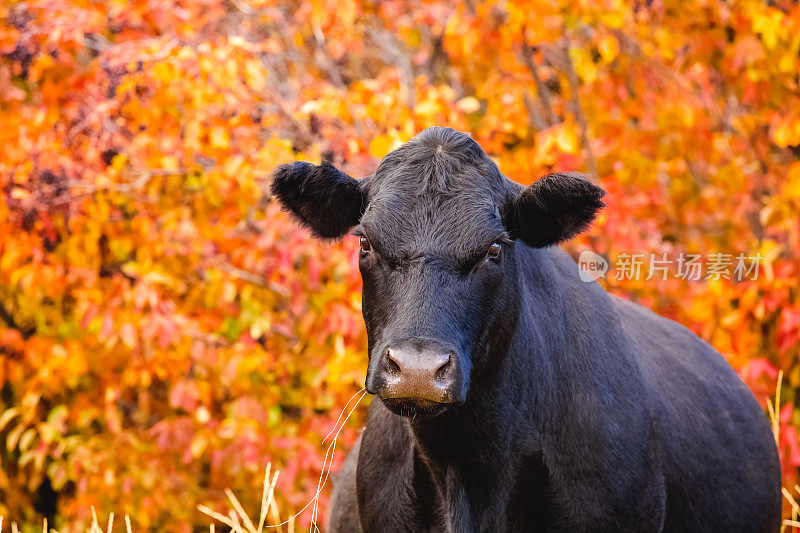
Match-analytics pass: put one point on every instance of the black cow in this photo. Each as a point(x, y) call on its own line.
point(514, 395)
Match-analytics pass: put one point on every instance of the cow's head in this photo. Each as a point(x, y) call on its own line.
point(439, 229)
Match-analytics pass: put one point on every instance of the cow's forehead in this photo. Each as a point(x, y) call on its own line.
point(439, 193)
point(407, 215)
point(448, 228)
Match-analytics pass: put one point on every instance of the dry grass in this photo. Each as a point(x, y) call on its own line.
point(93, 528)
point(791, 523)
point(237, 519)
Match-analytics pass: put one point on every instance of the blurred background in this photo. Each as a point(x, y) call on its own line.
point(165, 331)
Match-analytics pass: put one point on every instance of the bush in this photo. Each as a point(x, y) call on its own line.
point(165, 330)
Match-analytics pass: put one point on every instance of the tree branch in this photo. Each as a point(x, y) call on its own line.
point(541, 89)
point(535, 120)
point(577, 110)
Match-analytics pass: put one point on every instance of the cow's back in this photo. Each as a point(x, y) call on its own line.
point(719, 457)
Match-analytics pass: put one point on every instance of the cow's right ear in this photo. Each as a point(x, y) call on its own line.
point(321, 197)
point(554, 209)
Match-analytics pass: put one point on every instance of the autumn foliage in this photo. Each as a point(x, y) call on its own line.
point(165, 330)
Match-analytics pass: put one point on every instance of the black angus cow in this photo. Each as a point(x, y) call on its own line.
point(514, 395)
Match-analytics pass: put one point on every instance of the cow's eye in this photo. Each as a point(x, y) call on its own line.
point(364, 244)
point(494, 250)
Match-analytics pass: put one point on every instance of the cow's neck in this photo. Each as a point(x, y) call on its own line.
point(469, 456)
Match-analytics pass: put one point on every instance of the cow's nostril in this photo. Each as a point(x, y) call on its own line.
point(444, 369)
point(392, 366)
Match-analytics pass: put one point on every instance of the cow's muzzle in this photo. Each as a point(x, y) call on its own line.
point(417, 376)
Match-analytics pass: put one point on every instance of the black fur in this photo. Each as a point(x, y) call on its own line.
point(324, 199)
point(583, 412)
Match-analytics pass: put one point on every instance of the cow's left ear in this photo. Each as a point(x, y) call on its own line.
point(554, 209)
point(321, 197)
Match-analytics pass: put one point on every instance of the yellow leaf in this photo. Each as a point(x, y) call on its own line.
point(769, 23)
point(198, 446)
point(255, 75)
point(26, 439)
point(228, 291)
point(219, 137)
point(118, 162)
point(7, 415)
point(469, 104)
point(382, 145)
point(566, 139)
point(787, 133)
point(584, 64)
point(20, 194)
point(260, 326)
point(233, 166)
point(163, 72)
point(13, 437)
point(791, 188)
point(613, 19)
point(169, 162)
point(128, 335)
point(769, 251)
point(608, 48)
point(202, 415)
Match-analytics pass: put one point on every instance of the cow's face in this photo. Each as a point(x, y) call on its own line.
point(438, 229)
